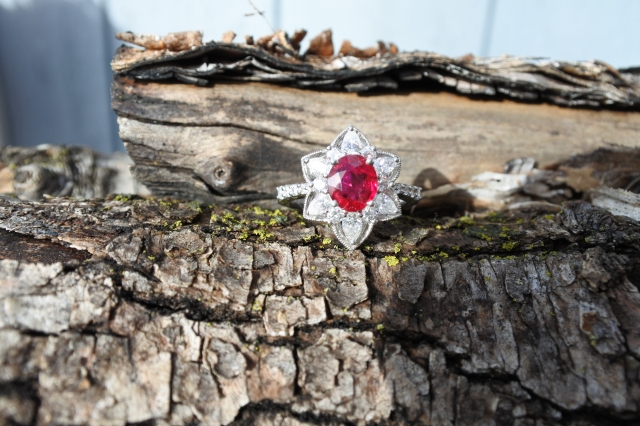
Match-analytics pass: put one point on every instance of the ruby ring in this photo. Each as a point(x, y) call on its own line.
point(350, 185)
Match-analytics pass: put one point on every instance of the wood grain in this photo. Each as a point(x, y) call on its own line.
point(179, 135)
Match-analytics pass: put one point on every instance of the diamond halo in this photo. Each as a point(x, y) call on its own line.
point(374, 201)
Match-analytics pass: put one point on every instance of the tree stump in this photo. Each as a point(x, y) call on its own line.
point(127, 311)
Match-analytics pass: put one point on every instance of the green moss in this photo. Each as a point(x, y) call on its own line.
point(326, 241)
point(195, 206)
point(509, 245)
point(262, 234)
point(397, 247)
point(333, 271)
point(122, 198)
point(391, 260)
point(466, 220)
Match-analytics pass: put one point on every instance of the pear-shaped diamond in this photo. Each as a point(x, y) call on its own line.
point(318, 167)
point(369, 213)
point(352, 142)
point(385, 166)
point(319, 205)
point(352, 228)
point(385, 205)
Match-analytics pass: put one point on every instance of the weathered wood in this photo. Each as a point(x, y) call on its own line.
point(274, 59)
point(232, 141)
point(193, 314)
point(58, 171)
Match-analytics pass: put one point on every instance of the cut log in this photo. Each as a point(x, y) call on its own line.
point(235, 142)
point(170, 312)
point(240, 127)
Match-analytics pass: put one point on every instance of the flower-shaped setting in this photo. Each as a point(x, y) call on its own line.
point(351, 186)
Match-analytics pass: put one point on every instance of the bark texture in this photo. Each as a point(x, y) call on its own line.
point(167, 312)
point(276, 59)
point(58, 171)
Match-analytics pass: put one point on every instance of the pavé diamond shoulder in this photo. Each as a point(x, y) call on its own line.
point(351, 185)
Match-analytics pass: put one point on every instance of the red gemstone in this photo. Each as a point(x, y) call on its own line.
point(352, 183)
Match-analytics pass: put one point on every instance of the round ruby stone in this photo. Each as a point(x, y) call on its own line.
point(352, 183)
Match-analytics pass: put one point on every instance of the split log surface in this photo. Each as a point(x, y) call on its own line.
point(129, 311)
point(235, 142)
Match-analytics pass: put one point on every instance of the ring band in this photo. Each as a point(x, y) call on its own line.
point(288, 194)
point(350, 185)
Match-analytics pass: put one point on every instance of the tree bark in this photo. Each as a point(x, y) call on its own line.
point(589, 83)
point(129, 311)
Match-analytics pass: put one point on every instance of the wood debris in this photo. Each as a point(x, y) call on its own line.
point(175, 42)
point(297, 38)
point(321, 45)
point(588, 83)
point(228, 37)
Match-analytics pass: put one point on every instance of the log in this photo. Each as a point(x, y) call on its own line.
point(237, 142)
point(237, 122)
point(58, 171)
point(160, 311)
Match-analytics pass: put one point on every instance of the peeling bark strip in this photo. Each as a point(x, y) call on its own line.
point(192, 314)
point(275, 60)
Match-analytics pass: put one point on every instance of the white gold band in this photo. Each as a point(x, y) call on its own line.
point(408, 194)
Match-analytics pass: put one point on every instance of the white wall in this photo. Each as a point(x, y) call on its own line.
point(54, 54)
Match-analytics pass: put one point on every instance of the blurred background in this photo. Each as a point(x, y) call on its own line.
point(55, 54)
